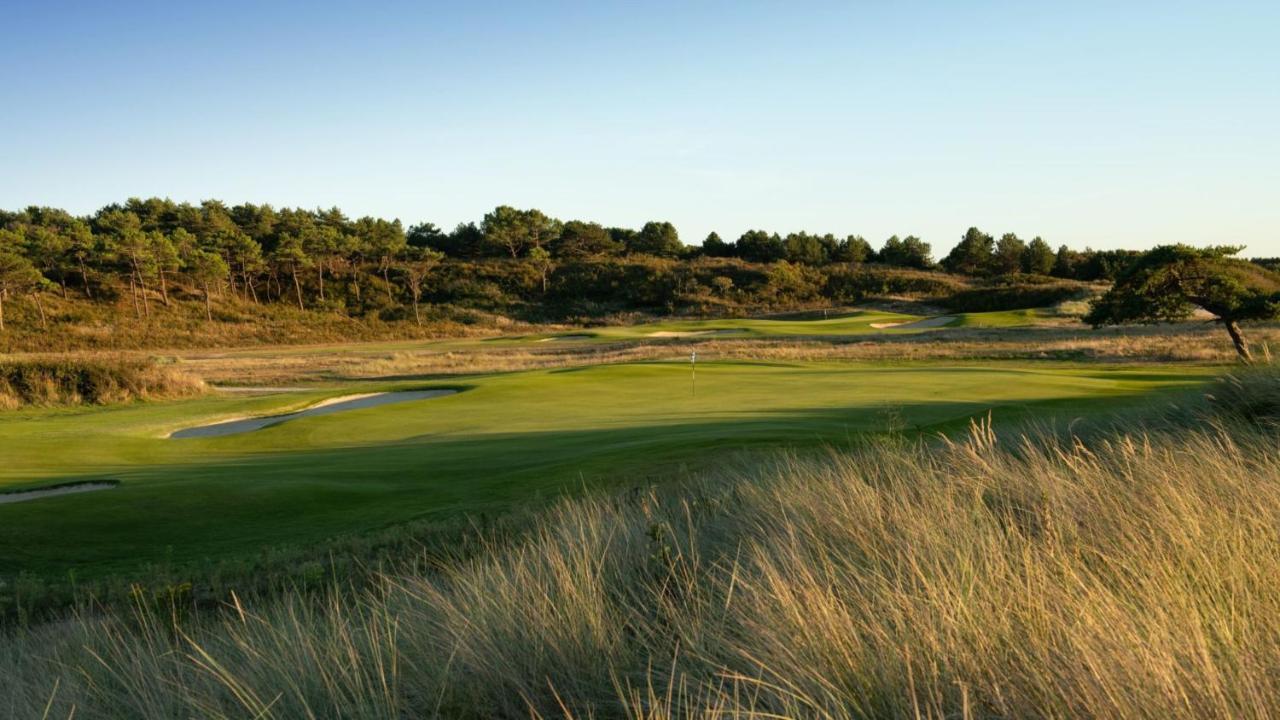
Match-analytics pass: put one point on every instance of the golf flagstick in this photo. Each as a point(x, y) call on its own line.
point(693, 372)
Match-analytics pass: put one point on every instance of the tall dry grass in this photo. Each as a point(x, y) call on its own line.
point(1124, 572)
point(97, 381)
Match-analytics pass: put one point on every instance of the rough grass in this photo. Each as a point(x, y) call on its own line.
point(77, 325)
point(1130, 572)
point(98, 381)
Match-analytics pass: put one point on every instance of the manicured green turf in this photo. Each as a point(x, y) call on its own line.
point(811, 324)
point(508, 438)
point(1001, 319)
point(858, 322)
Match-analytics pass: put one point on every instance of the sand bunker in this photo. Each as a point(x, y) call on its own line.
point(932, 322)
point(40, 493)
point(566, 337)
point(690, 333)
point(324, 407)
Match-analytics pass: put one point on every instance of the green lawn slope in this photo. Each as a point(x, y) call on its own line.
point(504, 440)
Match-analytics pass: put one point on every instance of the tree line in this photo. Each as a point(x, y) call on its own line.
point(300, 256)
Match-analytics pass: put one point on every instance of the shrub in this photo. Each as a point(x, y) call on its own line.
point(1013, 297)
point(89, 382)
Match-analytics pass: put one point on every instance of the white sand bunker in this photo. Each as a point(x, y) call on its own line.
point(690, 333)
point(558, 338)
point(40, 493)
point(324, 407)
point(932, 322)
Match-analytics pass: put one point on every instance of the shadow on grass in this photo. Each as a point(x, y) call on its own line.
point(236, 508)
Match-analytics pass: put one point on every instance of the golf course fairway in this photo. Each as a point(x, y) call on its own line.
point(501, 440)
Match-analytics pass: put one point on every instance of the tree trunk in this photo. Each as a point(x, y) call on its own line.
point(416, 316)
point(44, 323)
point(1242, 347)
point(133, 295)
point(208, 305)
point(320, 270)
point(386, 266)
point(164, 289)
point(297, 287)
point(84, 275)
point(2, 310)
point(146, 304)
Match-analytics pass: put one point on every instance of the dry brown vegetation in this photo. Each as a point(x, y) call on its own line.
point(79, 326)
point(90, 381)
point(1193, 342)
point(1127, 572)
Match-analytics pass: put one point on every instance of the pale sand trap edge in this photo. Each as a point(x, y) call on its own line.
point(25, 495)
point(314, 406)
point(918, 324)
point(567, 337)
point(341, 399)
point(295, 414)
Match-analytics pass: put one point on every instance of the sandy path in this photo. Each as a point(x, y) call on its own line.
point(324, 407)
point(932, 322)
point(37, 494)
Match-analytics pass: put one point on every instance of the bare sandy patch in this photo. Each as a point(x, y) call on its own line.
point(40, 493)
point(559, 338)
point(342, 403)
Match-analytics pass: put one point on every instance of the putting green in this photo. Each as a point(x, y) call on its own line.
point(506, 438)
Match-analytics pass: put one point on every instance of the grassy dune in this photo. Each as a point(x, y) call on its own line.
point(1129, 572)
point(505, 440)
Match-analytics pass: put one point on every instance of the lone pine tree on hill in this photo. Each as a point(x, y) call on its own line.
point(1167, 283)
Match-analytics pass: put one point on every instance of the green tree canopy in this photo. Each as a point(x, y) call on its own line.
point(910, 251)
point(972, 255)
point(17, 277)
point(760, 246)
point(853, 249)
point(805, 249)
point(514, 232)
point(1009, 251)
point(417, 265)
point(715, 246)
point(1039, 257)
point(657, 238)
point(207, 269)
point(1168, 283)
point(583, 239)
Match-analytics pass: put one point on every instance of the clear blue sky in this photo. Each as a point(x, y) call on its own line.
point(1109, 124)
